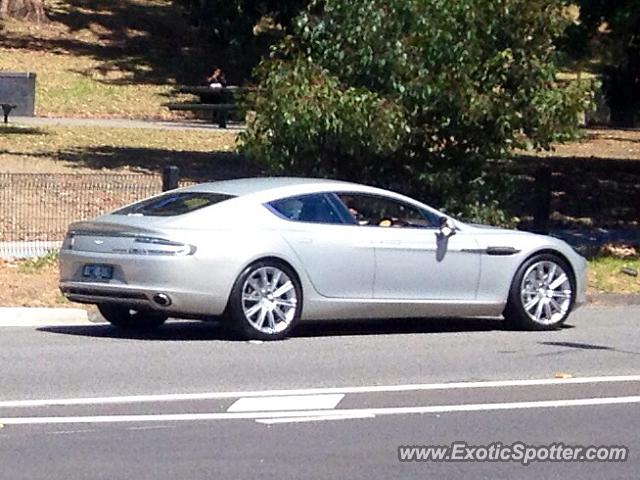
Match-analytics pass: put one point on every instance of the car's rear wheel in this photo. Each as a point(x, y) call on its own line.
point(542, 294)
point(130, 319)
point(265, 302)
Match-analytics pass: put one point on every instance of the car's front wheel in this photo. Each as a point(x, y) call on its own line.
point(130, 319)
point(541, 295)
point(265, 302)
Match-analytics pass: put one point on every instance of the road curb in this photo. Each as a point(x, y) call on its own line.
point(42, 316)
point(613, 299)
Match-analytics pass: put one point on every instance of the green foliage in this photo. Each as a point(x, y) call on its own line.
point(416, 95)
point(609, 32)
point(308, 112)
point(237, 34)
point(233, 21)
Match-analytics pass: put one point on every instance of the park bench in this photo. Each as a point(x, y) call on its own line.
point(6, 110)
point(218, 100)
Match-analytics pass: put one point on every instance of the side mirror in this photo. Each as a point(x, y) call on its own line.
point(447, 228)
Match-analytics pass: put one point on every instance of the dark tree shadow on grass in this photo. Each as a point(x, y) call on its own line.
point(148, 42)
point(17, 130)
point(195, 166)
point(586, 193)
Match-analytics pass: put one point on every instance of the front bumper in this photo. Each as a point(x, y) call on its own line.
point(581, 282)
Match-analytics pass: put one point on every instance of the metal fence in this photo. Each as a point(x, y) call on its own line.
point(36, 208)
point(576, 193)
point(559, 193)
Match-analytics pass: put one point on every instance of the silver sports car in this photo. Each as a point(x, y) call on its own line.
point(264, 253)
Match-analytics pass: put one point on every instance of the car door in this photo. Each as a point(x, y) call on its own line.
point(337, 256)
point(413, 261)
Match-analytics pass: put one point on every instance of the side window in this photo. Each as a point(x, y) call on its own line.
point(379, 211)
point(315, 208)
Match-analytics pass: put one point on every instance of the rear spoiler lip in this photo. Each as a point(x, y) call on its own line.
point(111, 226)
point(115, 233)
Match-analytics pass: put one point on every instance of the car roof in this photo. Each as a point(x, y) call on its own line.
point(277, 185)
point(266, 189)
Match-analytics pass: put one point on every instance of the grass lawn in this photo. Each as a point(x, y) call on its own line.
point(605, 275)
point(59, 149)
point(70, 86)
point(104, 59)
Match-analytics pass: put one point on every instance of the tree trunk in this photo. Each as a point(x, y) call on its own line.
point(29, 10)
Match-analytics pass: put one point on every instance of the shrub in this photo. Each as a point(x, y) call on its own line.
point(417, 95)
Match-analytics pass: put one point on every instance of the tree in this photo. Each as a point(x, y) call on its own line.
point(29, 10)
point(415, 94)
point(609, 32)
point(238, 33)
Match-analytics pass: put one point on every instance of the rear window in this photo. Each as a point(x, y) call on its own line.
point(173, 203)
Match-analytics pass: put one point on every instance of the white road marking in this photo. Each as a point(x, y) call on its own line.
point(317, 418)
point(158, 427)
point(70, 432)
point(177, 397)
point(285, 403)
point(176, 417)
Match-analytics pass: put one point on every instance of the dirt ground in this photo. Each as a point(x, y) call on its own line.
point(602, 143)
point(22, 288)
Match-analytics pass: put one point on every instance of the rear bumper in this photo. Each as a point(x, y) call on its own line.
point(180, 302)
point(190, 286)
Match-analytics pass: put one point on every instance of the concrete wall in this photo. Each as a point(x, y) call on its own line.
point(19, 88)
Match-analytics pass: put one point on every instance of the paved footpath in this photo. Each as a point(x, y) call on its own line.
point(197, 125)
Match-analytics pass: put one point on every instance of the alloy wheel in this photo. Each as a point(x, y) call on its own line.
point(546, 292)
point(269, 300)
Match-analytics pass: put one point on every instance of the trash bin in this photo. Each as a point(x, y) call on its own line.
point(19, 88)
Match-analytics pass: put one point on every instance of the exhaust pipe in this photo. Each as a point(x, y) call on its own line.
point(162, 299)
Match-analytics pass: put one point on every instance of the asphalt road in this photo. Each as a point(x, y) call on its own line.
point(334, 401)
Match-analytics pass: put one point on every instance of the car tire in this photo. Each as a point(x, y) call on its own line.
point(129, 319)
point(542, 294)
point(265, 302)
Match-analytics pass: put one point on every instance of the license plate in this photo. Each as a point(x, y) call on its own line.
point(98, 272)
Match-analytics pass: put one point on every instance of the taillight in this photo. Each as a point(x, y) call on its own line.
point(160, 246)
point(68, 242)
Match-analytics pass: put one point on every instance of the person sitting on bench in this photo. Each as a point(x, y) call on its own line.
point(217, 79)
